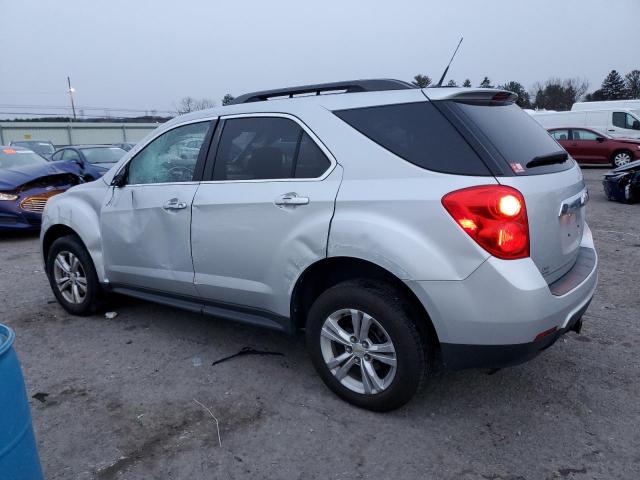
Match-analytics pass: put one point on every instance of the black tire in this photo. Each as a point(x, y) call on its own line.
point(91, 301)
point(618, 152)
point(389, 308)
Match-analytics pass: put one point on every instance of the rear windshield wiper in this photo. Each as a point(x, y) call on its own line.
point(552, 158)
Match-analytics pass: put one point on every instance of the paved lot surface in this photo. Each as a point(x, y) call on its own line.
point(122, 392)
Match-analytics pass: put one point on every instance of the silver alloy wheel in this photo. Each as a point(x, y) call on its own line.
point(70, 277)
point(358, 351)
point(621, 159)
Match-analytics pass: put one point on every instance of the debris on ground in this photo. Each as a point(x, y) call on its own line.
point(214, 418)
point(110, 315)
point(196, 361)
point(247, 351)
point(41, 396)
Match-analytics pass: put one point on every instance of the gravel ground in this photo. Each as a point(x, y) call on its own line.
point(123, 393)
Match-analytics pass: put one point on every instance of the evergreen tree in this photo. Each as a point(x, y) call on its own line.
point(486, 83)
point(613, 87)
point(422, 81)
point(467, 83)
point(452, 83)
point(227, 99)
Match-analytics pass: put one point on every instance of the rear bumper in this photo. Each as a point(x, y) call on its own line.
point(493, 317)
point(459, 356)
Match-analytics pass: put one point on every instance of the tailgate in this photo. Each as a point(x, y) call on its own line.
point(522, 155)
point(556, 212)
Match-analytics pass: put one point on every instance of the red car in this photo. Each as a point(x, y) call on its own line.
point(588, 146)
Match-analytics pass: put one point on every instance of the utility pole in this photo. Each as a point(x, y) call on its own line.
point(71, 91)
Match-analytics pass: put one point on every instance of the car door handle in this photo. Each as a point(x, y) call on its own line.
point(291, 199)
point(174, 204)
point(611, 130)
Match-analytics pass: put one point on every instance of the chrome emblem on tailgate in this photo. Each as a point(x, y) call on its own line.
point(570, 205)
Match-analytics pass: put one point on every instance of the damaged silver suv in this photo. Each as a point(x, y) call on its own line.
point(396, 226)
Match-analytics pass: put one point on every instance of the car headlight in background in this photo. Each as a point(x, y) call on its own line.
point(8, 196)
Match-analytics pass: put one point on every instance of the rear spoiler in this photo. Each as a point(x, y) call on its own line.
point(489, 96)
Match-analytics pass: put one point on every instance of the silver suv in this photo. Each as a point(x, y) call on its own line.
point(397, 227)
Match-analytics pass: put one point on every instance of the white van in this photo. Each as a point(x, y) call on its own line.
point(618, 122)
point(632, 105)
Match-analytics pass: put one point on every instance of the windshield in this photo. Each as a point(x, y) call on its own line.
point(103, 154)
point(517, 137)
point(42, 148)
point(10, 157)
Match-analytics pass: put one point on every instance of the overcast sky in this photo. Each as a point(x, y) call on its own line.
point(144, 54)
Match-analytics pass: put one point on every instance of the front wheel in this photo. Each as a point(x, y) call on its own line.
point(365, 345)
point(72, 276)
point(621, 158)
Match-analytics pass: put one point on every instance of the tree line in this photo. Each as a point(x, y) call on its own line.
point(557, 93)
point(552, 94)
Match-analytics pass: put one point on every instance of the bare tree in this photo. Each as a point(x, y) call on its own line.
point(558, 94)
point(190, 104)
point(632, 82)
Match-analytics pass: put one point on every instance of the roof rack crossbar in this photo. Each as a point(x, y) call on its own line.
point(351, 86)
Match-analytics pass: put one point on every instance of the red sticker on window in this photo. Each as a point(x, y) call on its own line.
point(517, 168)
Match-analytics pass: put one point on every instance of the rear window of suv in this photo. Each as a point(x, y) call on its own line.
point(514, 134)
point(418, 133)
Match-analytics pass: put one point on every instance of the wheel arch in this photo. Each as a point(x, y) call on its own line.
point(330, 271)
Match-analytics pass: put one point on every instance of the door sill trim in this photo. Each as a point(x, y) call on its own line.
point(227, 311)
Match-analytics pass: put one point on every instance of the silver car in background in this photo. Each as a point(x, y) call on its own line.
point(397, 227)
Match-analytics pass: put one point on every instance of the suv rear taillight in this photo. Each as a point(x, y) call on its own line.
point(495, 216)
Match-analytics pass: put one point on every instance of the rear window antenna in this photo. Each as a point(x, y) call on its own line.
point(444, 74)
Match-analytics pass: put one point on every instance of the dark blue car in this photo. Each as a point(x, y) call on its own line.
point(27, 181)
point(96, 159)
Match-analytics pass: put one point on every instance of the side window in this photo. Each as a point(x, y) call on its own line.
point(169, 158)
point(584, 135)
point(619, 119)
point(70, 154)
point(632, 123)
point(263, 148)
point(56, 157)
point(560, 134)
point(311, 161)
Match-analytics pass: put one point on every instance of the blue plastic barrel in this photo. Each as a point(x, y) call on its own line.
point(18, 453)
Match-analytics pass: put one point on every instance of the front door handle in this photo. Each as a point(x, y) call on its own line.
point(611, 130)
point(174, 204)
point(292, 199)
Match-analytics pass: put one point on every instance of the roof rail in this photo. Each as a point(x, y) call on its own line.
point(349, 86)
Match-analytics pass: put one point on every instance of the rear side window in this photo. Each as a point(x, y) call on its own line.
point(263, 148)
point(418, 133)
point(514, 134)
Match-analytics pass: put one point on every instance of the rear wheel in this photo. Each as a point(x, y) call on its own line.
point(365, 346)
point(72, 276)
point(620, 158)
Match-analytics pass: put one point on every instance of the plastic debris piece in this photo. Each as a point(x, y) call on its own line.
point(110, 315)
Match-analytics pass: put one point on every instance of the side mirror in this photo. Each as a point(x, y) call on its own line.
point(600, 139)
point(635, 125)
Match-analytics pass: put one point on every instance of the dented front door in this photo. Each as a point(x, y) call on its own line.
point(146, 237)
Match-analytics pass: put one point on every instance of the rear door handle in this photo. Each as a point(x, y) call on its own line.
point(292, 199)
point(174, 204)
point(611, 130)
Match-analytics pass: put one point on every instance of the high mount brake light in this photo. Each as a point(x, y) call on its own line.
point(495, 216)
